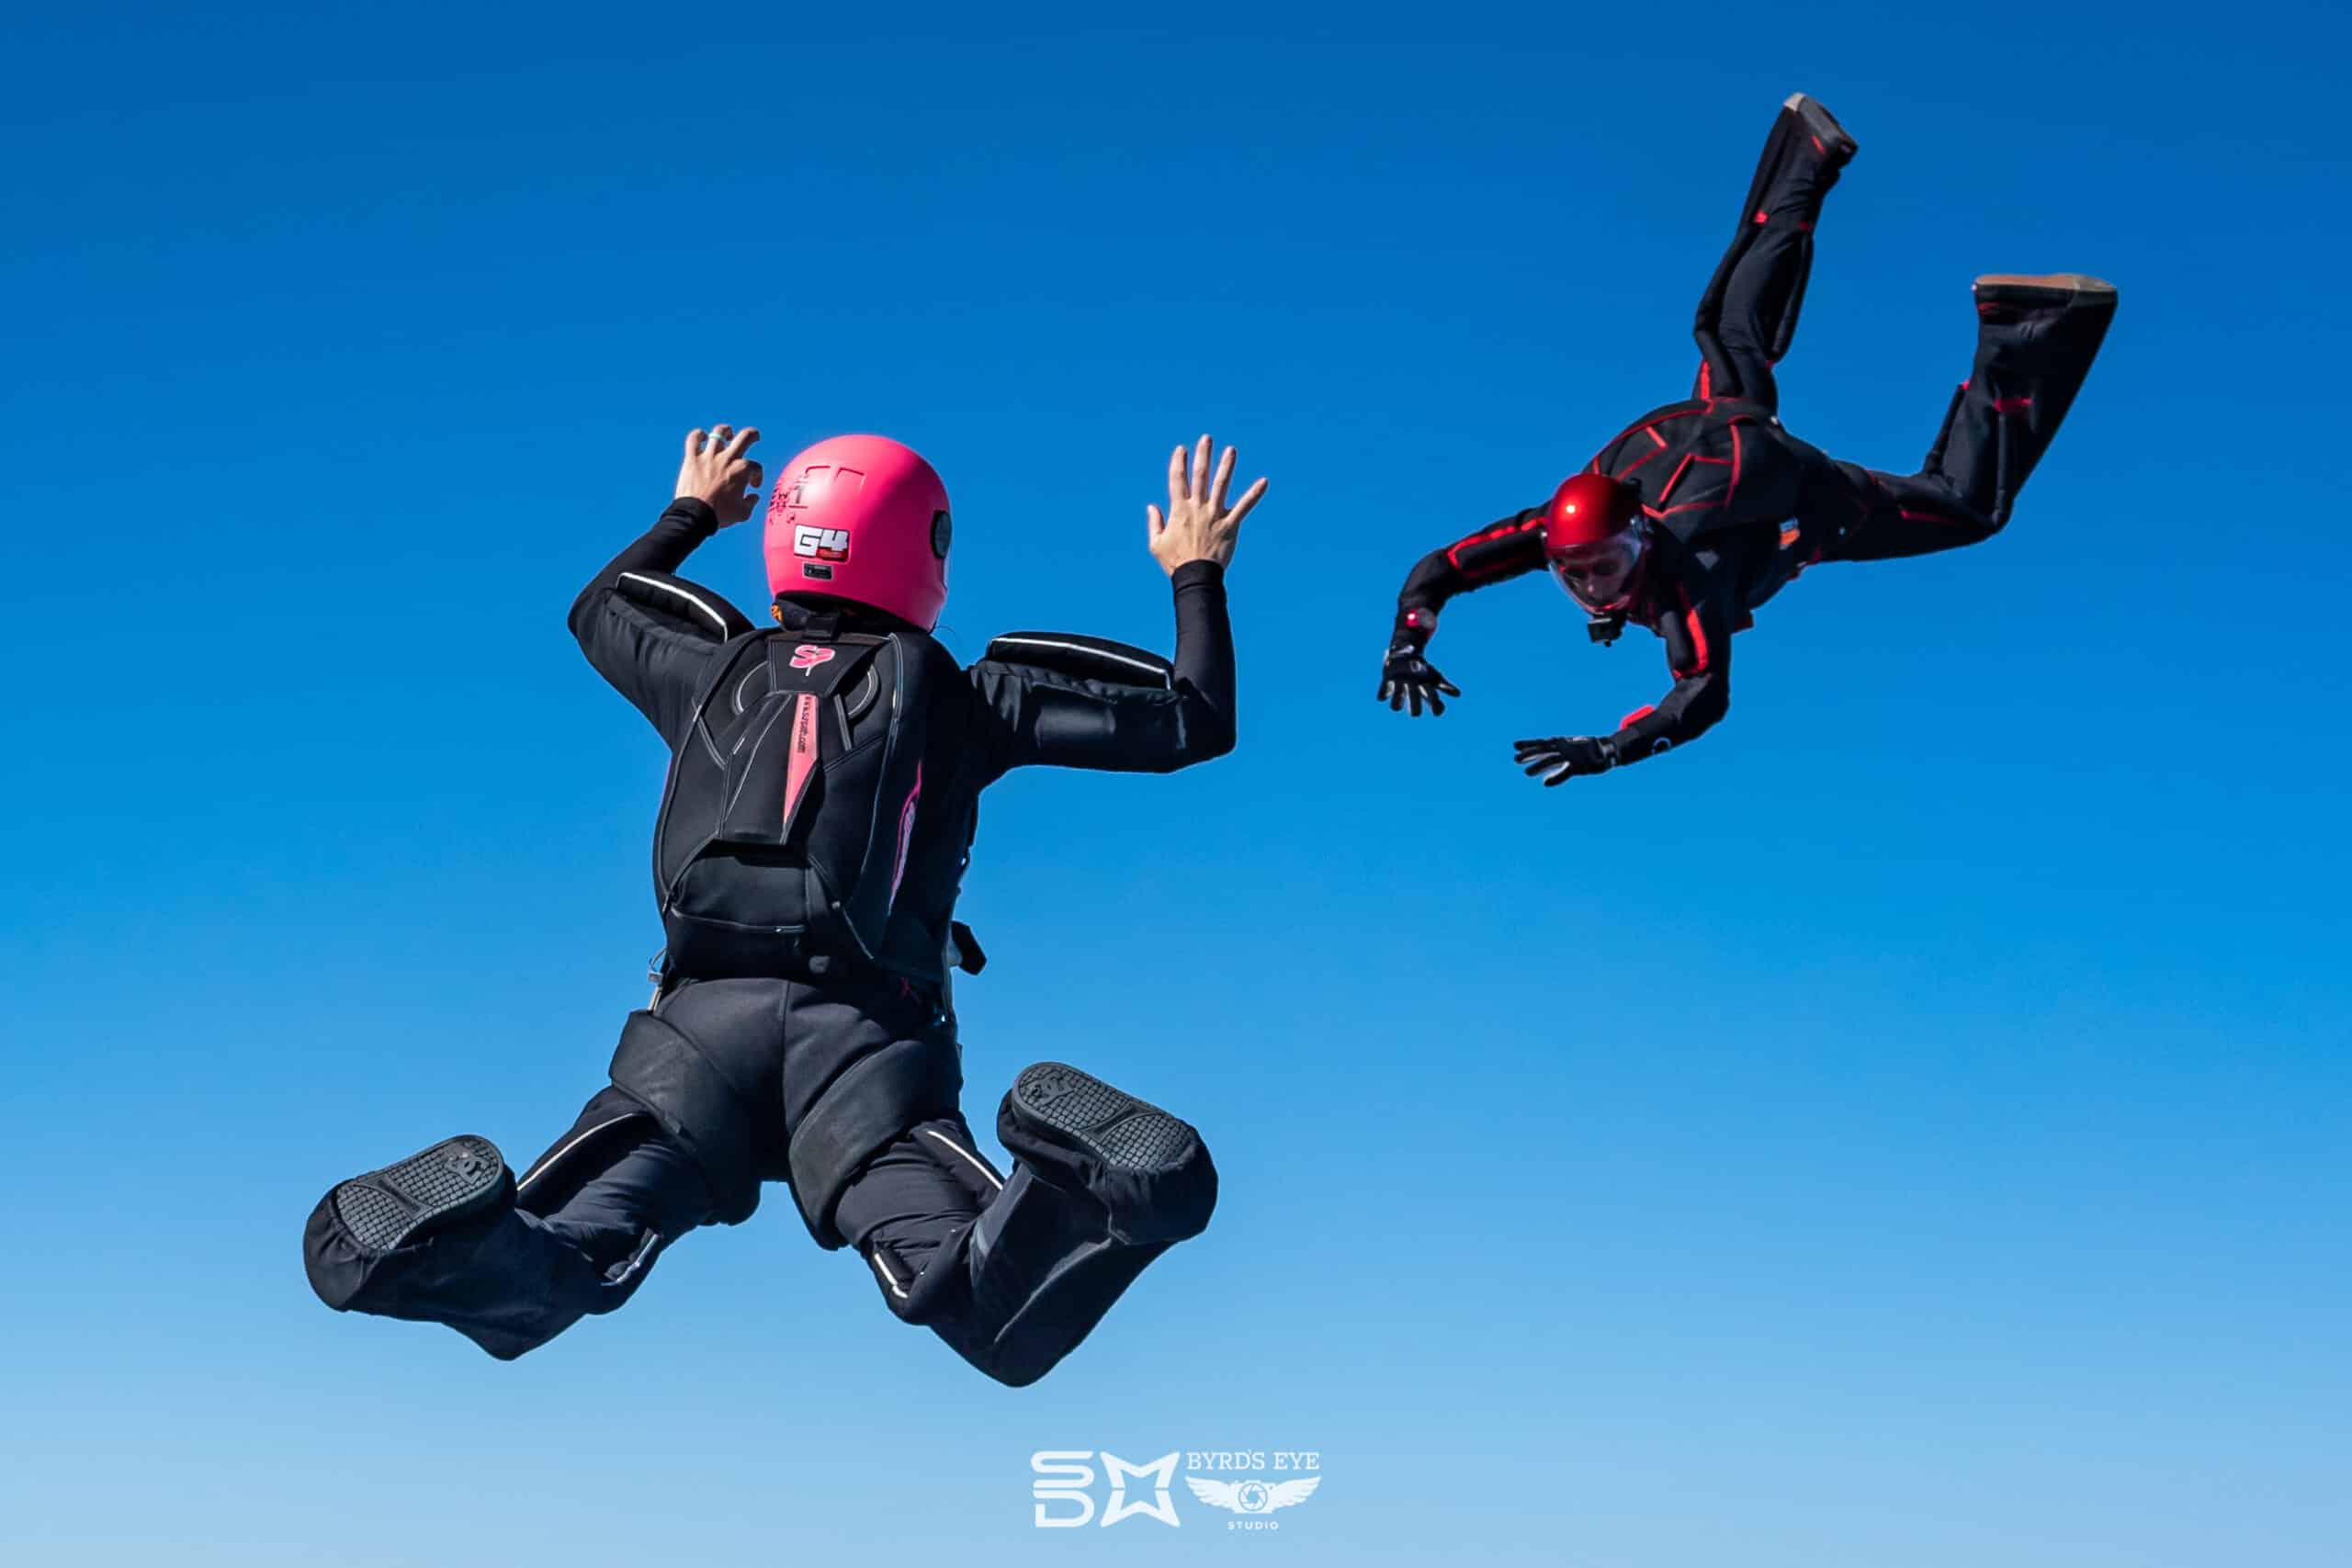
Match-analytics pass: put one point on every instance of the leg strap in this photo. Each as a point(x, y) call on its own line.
point(659, 1067)
point(868, 1107)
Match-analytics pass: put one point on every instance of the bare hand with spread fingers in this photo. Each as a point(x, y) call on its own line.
point(1198, 525)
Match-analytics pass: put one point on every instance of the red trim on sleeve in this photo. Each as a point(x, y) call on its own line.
point(1700, 656)
point(1487, 536)
point(1636, 717)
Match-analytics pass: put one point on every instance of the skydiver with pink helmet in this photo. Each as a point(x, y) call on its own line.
point(812, 836)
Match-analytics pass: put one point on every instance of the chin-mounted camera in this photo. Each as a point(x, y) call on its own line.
point(1605, 629)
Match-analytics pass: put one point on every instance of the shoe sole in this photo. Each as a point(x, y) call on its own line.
point(454, 1180)
point(2068, 288)
point(1833, 138)
point(1124, 1132)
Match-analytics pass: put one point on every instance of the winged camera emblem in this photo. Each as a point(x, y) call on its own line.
point(1253, 1496)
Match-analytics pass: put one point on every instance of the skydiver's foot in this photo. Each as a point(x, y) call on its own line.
point(1829, 138)
point(1149, 1170)
point(448, 1184)
point(2009, 295)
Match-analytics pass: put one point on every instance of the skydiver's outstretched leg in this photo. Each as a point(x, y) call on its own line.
point(449, 1236)
point(2035, 340)
point(1013, 1271)
point(1750, 311)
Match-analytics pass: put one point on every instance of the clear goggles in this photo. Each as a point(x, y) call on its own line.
point(1600, 576)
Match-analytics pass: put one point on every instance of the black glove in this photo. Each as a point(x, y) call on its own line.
point(1564, 757)
point(1405, 675)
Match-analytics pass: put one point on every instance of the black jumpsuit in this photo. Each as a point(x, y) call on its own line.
point(745, 1072)
point(1737, 505)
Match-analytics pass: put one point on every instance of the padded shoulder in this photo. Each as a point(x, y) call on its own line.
point(683, 606)
point(1083, 659)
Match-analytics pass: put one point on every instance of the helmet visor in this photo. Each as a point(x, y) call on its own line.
point(1600, 576)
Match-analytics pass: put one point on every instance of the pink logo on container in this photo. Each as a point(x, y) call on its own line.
point(807, 658)
point(906, 833)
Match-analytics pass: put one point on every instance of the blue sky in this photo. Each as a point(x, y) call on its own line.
point(1907, 1127)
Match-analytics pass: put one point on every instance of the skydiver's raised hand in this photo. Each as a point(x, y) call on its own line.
point(1564, 757)
point(1407, 678)
point(718, 473)
point(1198, 526)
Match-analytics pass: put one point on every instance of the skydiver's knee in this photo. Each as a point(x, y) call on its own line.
point(507, 1351)
point(1014, 1360)
point(1016, 1374)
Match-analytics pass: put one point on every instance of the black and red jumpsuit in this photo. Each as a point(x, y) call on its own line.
point(1736, 505)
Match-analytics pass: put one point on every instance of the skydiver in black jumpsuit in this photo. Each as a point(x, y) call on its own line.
point(804, 1062)
point(1724, 506)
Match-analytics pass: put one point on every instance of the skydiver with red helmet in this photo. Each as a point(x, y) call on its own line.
point(1701, 510)
point(821, 801)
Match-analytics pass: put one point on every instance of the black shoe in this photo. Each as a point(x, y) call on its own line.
point(2010, 294)
point(1829, 138)
point(1149, 1170)
point(448, 1183)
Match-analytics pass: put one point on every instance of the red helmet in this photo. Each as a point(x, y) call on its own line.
point(1596, 539)
point(861, 518)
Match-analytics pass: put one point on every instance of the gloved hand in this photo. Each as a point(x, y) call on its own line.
point(1564, 757)
point(1406, 677)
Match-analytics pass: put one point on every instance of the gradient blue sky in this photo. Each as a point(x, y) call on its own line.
point(1907, 1128)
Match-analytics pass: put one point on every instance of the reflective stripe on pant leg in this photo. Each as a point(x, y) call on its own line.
point(908, 1210)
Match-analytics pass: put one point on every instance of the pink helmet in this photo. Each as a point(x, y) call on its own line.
point(862, 518)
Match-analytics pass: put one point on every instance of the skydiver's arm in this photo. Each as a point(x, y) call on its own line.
point(1032, 717)
point(1109, 709)
point(649, 633)
point(1697, 633)
point(1511, 547)
point(1684, 714)
point(681, 529)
